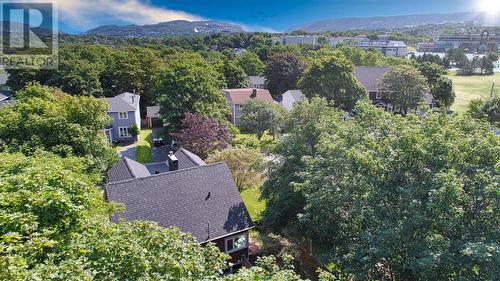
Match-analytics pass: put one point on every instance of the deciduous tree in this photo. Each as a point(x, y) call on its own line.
point(45, 118)
point(189, 84)
point(283, 71)
point(333, 78)
point(251, 63)
point(203, 135)
point(246, 165)
point(404, 87)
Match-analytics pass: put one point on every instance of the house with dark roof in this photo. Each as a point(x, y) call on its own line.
point(197, 198)
point(238, 97)
point(125, 112)
point(127, 168)
point(369, 76)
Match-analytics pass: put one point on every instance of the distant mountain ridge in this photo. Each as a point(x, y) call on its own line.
point(178, 27)
point(392, 22)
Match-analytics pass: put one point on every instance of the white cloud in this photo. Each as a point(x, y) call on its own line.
point(86, 14)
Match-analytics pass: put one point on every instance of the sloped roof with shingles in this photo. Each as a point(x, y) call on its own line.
point(202, 200)
point(242, 96)
point(188, 159)
point(124, 102)
point(127, 169)
point(368, 76)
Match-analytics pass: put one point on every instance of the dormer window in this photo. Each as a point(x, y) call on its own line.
point(123, 115)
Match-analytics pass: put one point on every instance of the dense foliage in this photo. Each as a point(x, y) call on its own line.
point(283, 71)
point(189, 84)
point(203, 135)
point(53, 225)
point(246, 165)
point(45, 118)
point(333, 78)
point(391, 197)
point(488, 109)
point(259, 116)
point(404, 86)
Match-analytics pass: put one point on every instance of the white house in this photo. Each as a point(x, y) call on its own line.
point(289, 98)
point(257, 82)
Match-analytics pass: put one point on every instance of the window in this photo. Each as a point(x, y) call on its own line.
point(236, 243)
point(396, 108)
point(123, 132)
point(122, 115)
point(378, 95)
point(389, 107)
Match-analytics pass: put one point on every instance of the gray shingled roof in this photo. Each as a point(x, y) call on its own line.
point(368, 76)
point(127, 169)
point(188, 159)
point(203, 201)
point(124, 102)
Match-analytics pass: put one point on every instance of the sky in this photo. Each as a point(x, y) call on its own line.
point(77, 16)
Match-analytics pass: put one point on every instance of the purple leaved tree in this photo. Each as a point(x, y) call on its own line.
point(202, 135)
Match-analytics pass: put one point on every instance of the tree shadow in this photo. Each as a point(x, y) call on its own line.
point(237, 218)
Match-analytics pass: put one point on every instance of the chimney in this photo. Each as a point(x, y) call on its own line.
point(254, 94)
point(173, 162)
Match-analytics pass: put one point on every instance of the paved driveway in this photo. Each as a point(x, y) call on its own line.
point(128, 151)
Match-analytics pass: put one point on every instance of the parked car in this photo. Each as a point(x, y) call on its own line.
point(158, 142)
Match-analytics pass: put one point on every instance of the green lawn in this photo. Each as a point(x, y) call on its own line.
point(468, 88)
point(254, 205)
point(143, 153)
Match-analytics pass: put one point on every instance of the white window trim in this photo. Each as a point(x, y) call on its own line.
point(244, 236)
point(120, 133)
point(378, 95)
point(390, 107)
point(126, 115)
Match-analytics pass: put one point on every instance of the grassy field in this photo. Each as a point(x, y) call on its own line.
point(468, 88)
point(143, 153)
point(254, 205)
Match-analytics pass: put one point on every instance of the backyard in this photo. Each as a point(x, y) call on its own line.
point(468, 88)
point(254, 205)
point(143, 152)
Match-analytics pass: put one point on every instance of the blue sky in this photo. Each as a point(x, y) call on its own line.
point(261, 15)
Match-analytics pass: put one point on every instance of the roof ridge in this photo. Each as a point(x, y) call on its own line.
point(125, 159)
point(171, 172)
point(189, 155)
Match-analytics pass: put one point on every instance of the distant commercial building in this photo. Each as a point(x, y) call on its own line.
point(469, 42)
point(299, 39)
point(386, 47)
point(427, 47)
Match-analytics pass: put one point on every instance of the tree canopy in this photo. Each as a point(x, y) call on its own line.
point(391, 197)
point(283, 71)
point(246, 165)
point(258, 116)
point(203, 135)
point(189, 84)
point(45, 118)
point(251, 63)
point(404, 86)
point(333, 78)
